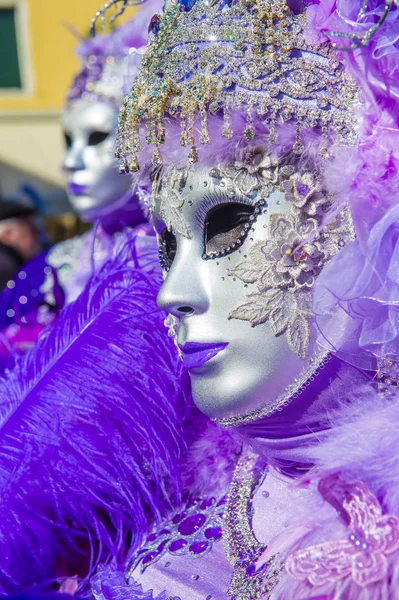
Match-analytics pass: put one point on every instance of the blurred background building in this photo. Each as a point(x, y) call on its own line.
point(38, 61)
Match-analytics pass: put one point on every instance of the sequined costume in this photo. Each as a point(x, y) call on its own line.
point(250, 103)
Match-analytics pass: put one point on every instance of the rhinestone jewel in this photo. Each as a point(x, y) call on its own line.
point(156, 158)
point(153, 27)
point(191, 532)
point(193, 155)
point(134, 165)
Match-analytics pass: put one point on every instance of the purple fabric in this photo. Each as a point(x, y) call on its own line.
point(287, 437)
point(126, 213)
point(376, 64)
point(26, 284)
point(21, 322)
point(89, 432)
point(356, 297)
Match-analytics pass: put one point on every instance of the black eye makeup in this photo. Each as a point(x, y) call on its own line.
point(167, 249)
point(226, 227)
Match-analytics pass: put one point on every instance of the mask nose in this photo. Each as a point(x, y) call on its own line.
point(184, 292)
point(73, 160)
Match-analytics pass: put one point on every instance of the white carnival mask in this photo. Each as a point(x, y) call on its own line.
point(93, 180)
point(241, 246)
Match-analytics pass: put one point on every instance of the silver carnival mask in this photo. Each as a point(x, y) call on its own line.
point(241, 246)
point(93, 181)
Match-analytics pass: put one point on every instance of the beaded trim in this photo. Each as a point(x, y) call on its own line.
point(293, 390)
point(240, 544)
point(249, 56)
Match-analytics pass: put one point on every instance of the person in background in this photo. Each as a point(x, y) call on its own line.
point(97, 192)
point(19, 238)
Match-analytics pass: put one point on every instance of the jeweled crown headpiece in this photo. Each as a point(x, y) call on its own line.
point(245, 55)
point(111, 62)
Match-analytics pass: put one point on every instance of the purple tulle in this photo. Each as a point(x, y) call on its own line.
point(89, 432)
point(111, 584)
point(356, 297)
point(376, 64)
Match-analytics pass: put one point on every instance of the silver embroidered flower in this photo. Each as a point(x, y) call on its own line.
point(287, 259)
point(171, 202)
point(253, 170)
point(304, 191)
point(284, 268)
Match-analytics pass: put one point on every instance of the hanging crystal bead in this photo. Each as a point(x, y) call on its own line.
point(193, 155)
point(134, 165)
point(156, 157)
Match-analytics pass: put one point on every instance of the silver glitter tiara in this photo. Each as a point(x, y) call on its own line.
point(250, 55)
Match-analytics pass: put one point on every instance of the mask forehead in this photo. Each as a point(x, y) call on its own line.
point(89, 116)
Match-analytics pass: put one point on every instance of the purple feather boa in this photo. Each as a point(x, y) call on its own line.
point(89, 432)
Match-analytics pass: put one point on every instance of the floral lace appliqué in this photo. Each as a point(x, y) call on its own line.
point(286, 264)
point(171, 202)
point(254, 170)
point(362, 555)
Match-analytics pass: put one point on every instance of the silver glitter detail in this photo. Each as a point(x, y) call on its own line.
point(241, 546)
point(311, 370)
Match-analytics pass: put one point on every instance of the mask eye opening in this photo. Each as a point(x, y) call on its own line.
point(97, 137)
point(227, 226)
point(167, 249)
point(68, 140)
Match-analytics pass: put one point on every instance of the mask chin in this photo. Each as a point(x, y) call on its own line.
point(83, 204)
point(96, 211)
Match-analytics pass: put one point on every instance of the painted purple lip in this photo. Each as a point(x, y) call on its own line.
point(76, 189)
point(197, 355)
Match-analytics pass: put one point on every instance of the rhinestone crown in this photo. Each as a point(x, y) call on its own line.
point(246, 55)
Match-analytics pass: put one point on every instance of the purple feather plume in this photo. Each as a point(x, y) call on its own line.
point(89, 434)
